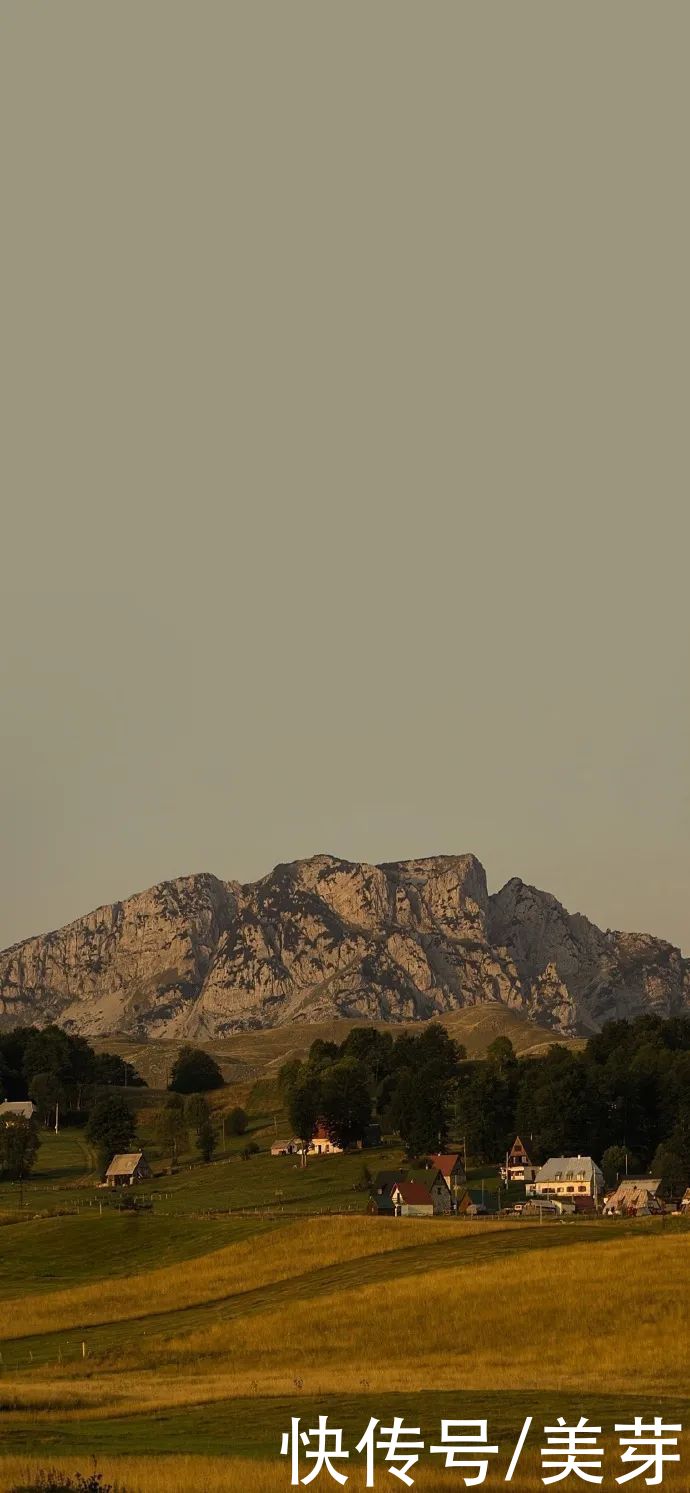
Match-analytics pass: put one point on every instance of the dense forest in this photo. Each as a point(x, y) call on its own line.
point(624, 1099)
point(51, 1067)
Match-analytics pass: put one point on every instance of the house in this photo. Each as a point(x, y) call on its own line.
point(635, 1197)
point(382, 1202)
point(412, 1200)
point(547, 1207)
point(436, 1187)
point(451, 1169)
point(126, 1169)
point(518, 1166)
point(567, 1176)
point(470, 1204)
point(322, 1145)
point(19, 1109)
point(286, 1147)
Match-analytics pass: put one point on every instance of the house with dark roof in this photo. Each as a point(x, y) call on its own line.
point(518, 1165)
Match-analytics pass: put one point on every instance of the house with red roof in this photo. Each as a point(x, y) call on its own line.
point(450, 1166)
point(412, 1200)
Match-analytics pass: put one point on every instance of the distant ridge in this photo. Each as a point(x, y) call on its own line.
point(323, 938)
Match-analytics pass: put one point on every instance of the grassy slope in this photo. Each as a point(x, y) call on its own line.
point(209, 1332)
point(245, 1056)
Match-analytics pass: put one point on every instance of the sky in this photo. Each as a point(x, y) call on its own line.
point(344, 461)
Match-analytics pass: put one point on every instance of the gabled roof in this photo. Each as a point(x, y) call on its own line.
point(569, 1169)
point(385, 1180)
point(638, 1184)
point(518, 1148)
point(636, 1192)
point(22, 1107)
point(427, 1175)
point(125, 1164)
point(413, 1192)
point(446, 1163)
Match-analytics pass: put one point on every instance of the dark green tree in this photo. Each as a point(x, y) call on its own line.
point(237, 1121)
point(47, 1094)
point(196, 1110)
point(171, 1127)
point(110, 1128)
point(672, 1170)
point(345, 1102)
point(304, 1106)
point(616, 1162)
point(195, 1072)
point(18, 1147)
point(206, 1138)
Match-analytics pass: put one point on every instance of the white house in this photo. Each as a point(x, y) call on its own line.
point(412, 1200)
point(568, 1177)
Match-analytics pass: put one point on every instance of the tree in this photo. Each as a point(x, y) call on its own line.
point(345, 1102)
point(47, 1093)
point(113, 1071)
point(18, 1147)
point(171, 1126)
point(206, 1138)
point(615, 1163)
point(195, 1110)
point(672, 1170)
point(47, 1051)
point(195, 1072)
point(237, 1121)
point(288, 1076)
point(110, 1128)
point(419, 1111)
point(304, 1106)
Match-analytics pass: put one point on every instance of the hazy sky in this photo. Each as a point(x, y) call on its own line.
point(344, 457)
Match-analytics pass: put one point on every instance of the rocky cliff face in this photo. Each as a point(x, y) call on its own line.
point(319, 938)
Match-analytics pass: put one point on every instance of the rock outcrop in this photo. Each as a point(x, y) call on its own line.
point(319, 938)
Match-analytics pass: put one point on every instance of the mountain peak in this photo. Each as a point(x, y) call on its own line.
point(324, 937)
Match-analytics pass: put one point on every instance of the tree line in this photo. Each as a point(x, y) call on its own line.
point(57, 1070)
point(624, 1098)
point(62, 1073)
point(405, 1083)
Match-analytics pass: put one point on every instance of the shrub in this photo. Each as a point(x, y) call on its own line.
point(237, 1121)
point(53, 1481)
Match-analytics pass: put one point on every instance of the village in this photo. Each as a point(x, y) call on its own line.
point(564, 1186)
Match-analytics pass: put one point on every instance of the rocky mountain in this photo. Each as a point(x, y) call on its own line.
point(319, 938)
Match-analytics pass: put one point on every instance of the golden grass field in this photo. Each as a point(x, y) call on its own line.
point(353, 1312)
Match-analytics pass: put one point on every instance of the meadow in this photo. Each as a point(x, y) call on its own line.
point(174, 1345)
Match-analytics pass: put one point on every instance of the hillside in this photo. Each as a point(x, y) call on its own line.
point(324, 939)
point(247, 1057)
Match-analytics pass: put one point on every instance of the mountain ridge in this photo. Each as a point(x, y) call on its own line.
point(321, 938)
